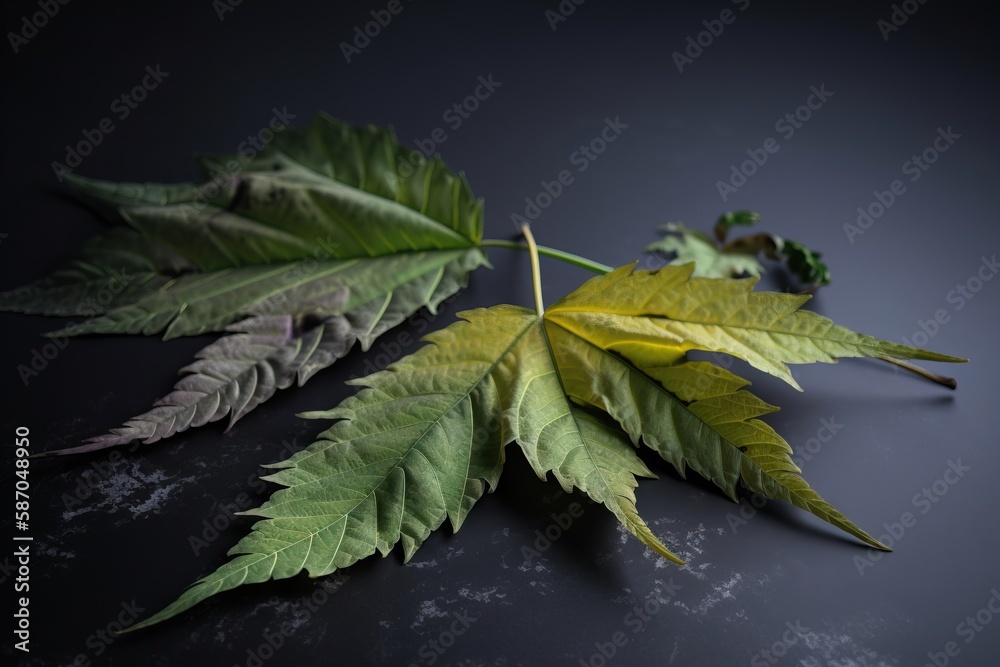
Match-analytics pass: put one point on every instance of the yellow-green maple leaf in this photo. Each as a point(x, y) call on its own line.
point(421, 441)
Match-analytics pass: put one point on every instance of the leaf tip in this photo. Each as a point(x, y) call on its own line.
point(314, 414)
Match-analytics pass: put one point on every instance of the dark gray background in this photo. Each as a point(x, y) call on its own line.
point(129, 540)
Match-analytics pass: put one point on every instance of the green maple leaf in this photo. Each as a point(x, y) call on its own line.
point(714, 258)
point(422, 440)
point(332, 235)
point(689, 246)
point(622, 340)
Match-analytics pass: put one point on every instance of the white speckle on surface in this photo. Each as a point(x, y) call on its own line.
point(158, 497)
point(542, 587)
point(306, 610)
point(432, 563)
point(127, 490)
point(691, 546)
point(696, 573)
point(483, 596)
point(499, 536)
point(72, 514)
point(537, 566)
point(428, 610)
point(54, 552)
point(843, 645)
point(723, 590)
point(625, 598)
point(58, 557)
point(673, 653)
point(840, 650)
point(284, 611)
point(623, 538)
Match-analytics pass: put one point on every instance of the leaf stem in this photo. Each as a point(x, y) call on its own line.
point(949, 382)
point(554, 253)
point(536, 272)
